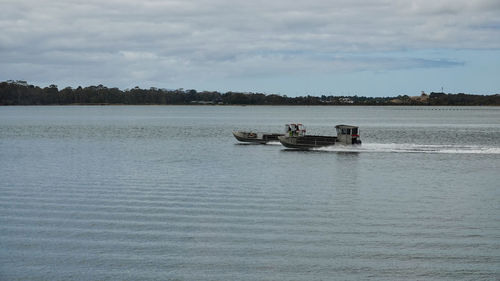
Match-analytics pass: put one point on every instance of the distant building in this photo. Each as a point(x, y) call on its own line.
point(346, 100)
point(202, 102)
point(422, 98)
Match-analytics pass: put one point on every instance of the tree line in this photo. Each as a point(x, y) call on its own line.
point(21, 93)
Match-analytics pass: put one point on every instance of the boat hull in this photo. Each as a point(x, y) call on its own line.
point(308, 142)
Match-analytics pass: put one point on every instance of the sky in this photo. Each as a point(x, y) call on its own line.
point(293, 48)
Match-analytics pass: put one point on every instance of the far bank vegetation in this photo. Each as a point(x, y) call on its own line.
point(22, 93)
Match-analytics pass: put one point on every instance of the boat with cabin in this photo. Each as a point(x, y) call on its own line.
point(298, 139)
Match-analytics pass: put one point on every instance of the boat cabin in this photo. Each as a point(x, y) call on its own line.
point(347, 134)
point(295, 130)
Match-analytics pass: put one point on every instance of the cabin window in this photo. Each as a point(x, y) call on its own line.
point(354, 131)
point(348, 131)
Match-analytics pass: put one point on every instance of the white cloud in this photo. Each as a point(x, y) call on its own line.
point(198, 39)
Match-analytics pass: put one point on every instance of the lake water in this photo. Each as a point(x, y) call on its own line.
point(167, 193)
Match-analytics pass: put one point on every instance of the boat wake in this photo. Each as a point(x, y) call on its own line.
point(413, 148)
point(274, 143)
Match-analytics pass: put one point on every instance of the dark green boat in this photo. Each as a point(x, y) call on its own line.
point(346, 135)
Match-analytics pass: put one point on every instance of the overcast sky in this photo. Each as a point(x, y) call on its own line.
point(331, 47)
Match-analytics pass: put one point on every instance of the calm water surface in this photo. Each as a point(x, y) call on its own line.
point(166, 193)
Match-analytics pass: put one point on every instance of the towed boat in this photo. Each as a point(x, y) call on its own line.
point(346, 135)
point(256, 137)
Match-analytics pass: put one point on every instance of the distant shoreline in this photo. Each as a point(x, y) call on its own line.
point(21, 93)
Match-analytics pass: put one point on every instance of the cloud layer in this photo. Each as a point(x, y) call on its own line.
point(129, 42)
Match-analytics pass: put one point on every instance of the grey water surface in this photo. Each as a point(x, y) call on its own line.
point(167, 193)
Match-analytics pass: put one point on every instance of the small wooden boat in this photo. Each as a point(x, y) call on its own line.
point(346, 135)
point(256, 137)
